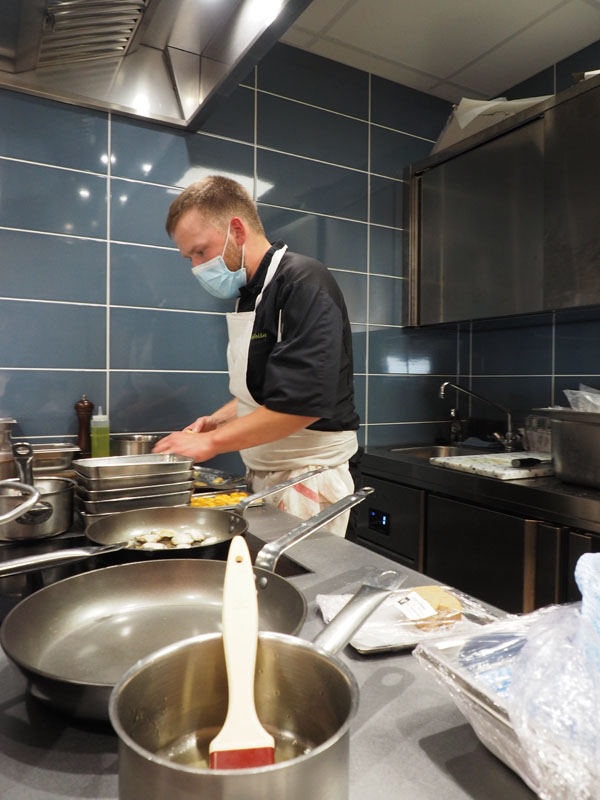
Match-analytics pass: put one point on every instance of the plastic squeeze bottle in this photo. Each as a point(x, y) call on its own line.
point(100, 435)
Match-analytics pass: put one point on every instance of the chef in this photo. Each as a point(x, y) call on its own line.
point(289, 354)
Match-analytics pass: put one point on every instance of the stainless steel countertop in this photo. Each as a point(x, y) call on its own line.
point(546, 498)
point(407, 741)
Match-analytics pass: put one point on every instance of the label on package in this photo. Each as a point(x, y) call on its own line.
point(413, 606)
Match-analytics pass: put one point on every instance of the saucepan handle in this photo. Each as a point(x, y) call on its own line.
point(243, 504)
point(269, 555)
point(17, 566)
point(33, 498)
point(376, 587)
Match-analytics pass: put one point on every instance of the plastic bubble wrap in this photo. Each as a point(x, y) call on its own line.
point(530, 687)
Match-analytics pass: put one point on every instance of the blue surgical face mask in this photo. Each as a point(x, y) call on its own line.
point(214, 276)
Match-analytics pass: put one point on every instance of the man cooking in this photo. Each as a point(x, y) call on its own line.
point(289, 354)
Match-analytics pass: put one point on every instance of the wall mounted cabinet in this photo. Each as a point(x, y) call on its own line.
point(505, 222)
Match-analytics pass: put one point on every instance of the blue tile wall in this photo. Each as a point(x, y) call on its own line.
point(312, 79)
point(95, 298)
point(282, 124)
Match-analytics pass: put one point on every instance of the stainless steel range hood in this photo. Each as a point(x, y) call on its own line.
point(166, 60)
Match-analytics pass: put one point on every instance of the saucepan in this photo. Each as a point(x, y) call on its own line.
point(215, 528)
point(48, 517)
point(75, 638)
point(168, 707)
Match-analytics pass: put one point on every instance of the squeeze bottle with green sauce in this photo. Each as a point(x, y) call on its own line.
point(100, 435)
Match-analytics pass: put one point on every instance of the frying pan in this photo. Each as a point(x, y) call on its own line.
point(74, 639)
point(114, 531)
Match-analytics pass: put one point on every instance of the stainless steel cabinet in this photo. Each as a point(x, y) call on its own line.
point(506, 222)
point(571, 202)
point(577, 543)
point(510, 562)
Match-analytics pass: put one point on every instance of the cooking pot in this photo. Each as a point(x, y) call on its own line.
point(10, 510)
point(167, 708)
point(138, 444)
point(75, 638)
point(52, 516)
point(8, 468)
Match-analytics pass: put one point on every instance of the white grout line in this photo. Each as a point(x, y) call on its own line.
point(108, 231)
point(553, 361)
point(367, 121)
point(368, 293)
point(253, 145)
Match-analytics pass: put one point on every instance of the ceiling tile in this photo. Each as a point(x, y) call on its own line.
point(370, 62)
point(320, 13)
point(558, 35)
point(433, 37)
point(454, 94)
point(298, 37)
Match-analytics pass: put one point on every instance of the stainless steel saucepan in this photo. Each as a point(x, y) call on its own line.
point(168, 707)
point(75, 638)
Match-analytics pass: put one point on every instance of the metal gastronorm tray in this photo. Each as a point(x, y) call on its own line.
point(131, 481)
point(149, 464)
point(133, 503)
point(133, 491)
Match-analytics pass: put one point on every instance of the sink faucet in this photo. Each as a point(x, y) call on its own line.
point(508, 441)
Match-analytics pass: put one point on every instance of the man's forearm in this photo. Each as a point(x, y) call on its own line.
point(226, 413)
point(259, 427)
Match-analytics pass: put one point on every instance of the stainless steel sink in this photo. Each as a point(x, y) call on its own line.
point(433, 450)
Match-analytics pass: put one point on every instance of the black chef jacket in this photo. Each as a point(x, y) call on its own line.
point(309, 372)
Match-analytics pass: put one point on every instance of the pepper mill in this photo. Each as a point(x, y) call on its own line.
point(83, 409)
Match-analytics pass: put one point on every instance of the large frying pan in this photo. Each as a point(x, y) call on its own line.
point(74, 639)
point(113, 532)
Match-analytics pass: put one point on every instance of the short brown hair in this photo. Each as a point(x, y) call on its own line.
point(220, 199)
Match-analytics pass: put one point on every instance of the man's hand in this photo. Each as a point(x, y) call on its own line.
point(198, 446)
point(202, 425)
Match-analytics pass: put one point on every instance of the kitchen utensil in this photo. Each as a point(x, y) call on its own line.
point(305, 696)
point(15, 507)
point(74, 639)
point(176, 497)
point(136, 444)
point(497, 465)
point(8, 468)
point(50, 515)
point(53, 457)
point(575, 445)
point(135, 491)
point(242, 742)
point(83, 409)
point(389, 630)
point(23, 455)
point(114, 532)
point(132, 481)
point(150, 464)
point(529, 462)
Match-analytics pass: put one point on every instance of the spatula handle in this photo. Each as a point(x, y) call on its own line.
point(242, 728)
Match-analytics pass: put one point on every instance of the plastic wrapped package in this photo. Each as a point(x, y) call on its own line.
point(553, 706)
point(583, 400)
point(530, 687)
point(406, 617)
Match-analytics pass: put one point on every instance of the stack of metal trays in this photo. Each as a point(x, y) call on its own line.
point(125, 483)
point(52, 457)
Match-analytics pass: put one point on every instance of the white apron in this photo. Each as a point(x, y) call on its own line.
point(274, 462)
